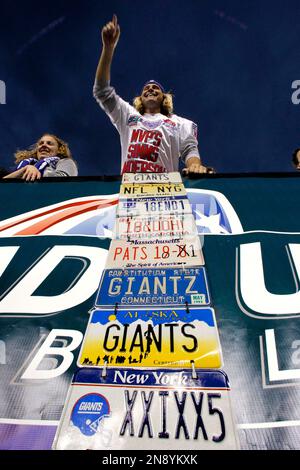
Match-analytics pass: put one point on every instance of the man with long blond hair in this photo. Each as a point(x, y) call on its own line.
point(152, 137)
point(49, 156)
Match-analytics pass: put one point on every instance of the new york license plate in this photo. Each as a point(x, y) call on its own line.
point(151, 337)
point(150, 287)
point(183, 252)
point(146, 190)
point(157, 226)
point(153, 205)
point(172, 177)
point(153, 409)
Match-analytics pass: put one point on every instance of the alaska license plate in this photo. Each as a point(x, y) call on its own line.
point(156, 190)
point(172, 177)
point(157, 226)
point(183, 252)
point(172, 337)
point(153, 206)
point(150, 287)
point(153, 409)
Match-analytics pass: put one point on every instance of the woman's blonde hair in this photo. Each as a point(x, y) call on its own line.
point(63, 150)
point(166, 106)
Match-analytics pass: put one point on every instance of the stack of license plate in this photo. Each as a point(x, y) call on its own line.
point(147, 195)
point(152, 340)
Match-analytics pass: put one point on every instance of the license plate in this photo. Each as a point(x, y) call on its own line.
point(153, 205)
point(156, 190)
point(140, 287)
point(184, 252)
point(173, 177)
point(161, 226)
point(159, 410)
point(152, 337)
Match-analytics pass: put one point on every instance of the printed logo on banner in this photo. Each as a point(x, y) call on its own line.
point(154, 407)
point(155, 190)
point(91, 215)
point(151, 287)
point(160, 226)
point(95, 215)
point(162, 337)
point(213, 212)
point(88, 412)
point(184, 252)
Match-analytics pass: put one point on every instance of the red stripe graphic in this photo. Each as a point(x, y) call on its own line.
point(39, 227)
point(72, 209)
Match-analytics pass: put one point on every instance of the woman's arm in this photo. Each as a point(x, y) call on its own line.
point(15, 174)
point(27, 173)
point(65, 167)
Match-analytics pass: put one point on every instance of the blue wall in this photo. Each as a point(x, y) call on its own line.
point(230, 64)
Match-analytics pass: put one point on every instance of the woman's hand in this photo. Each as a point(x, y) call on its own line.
point(31, 173)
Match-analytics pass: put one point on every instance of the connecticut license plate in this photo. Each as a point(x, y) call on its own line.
point(161, 226)
point(150, 287)
point(153, 409)
point(184, 252)
point(146, 190)
point(153, 205)
point(152, 337)
point(172, 177)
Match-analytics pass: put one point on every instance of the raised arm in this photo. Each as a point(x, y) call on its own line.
point(110, 38)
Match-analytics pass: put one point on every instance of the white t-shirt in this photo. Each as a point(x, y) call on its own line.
point(149, 142)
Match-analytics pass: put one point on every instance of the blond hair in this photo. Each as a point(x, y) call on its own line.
point(166, 106)
point(31, 152)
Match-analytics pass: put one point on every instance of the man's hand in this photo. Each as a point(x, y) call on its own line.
point(194, 167)
point(111, 33)
point(31, 173)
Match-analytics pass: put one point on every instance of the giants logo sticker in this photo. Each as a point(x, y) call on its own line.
point(88, 412)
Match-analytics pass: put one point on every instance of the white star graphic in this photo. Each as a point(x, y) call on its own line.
point(211, 222)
